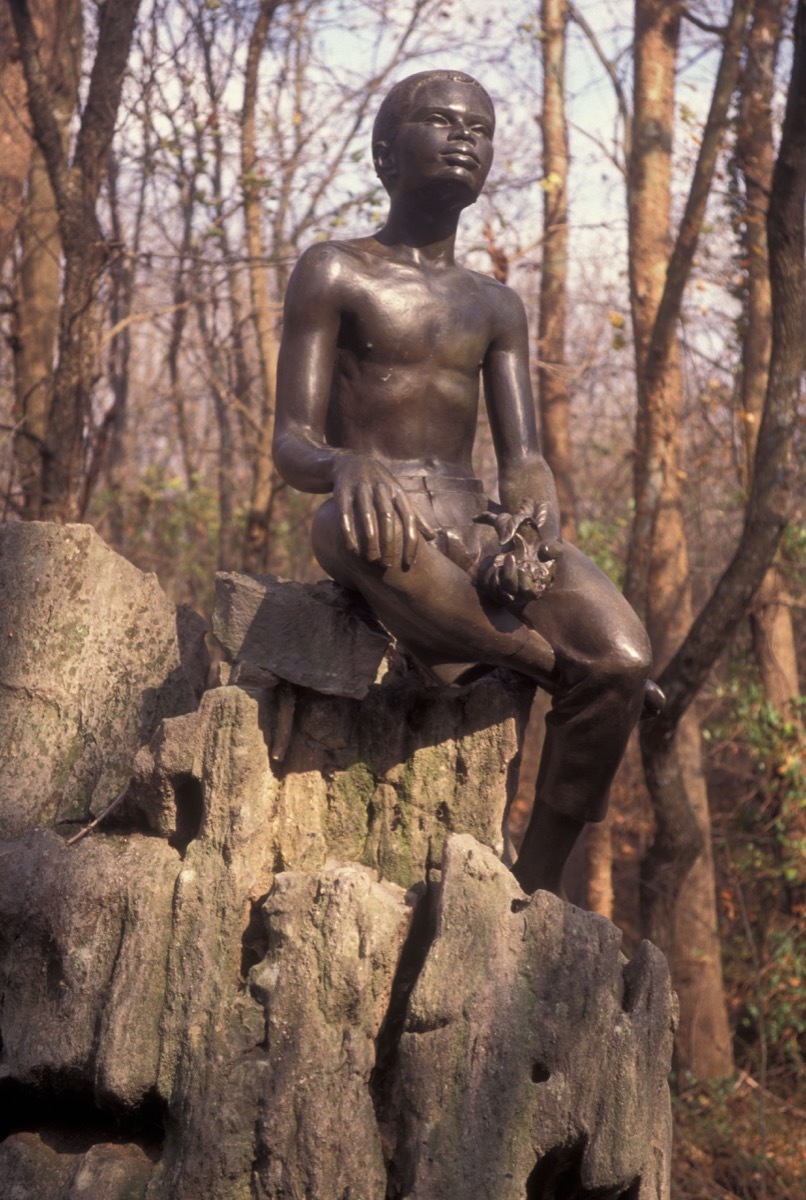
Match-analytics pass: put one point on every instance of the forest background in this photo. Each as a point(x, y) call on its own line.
point(164, 163)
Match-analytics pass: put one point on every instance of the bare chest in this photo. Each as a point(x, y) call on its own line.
point(406, 318)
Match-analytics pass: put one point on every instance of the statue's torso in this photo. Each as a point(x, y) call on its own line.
point(411, 344)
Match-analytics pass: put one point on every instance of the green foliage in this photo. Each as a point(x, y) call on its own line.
point(734, 1140)
point(170, 529)
point(792, 556)
point(604, 542)
point(765, 866)
point(773, 819)
point(783, 994)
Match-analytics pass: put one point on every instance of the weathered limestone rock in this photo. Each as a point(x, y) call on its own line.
point(30, 1167)
point(310, 635)
point(379, 782)
point(84, 941)
point(534, 1057)
point(124, 993)
point(92, 657)
point(334, 941)
point(227, 994)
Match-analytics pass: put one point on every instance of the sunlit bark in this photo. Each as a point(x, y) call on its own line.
point(770, 499)
point(678, 894)
point(552, 389)
point(15, 140)
point(58, 29)
point(265, 480)
point(76, 185)
point(771, 618)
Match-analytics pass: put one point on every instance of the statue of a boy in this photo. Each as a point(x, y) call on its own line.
point(385, 340)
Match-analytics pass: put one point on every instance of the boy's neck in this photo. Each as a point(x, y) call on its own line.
point(421, 233)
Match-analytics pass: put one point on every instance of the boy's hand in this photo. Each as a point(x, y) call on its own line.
point(378, 521)
point(524, 568)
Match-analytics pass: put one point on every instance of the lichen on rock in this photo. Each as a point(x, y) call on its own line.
point(290, 964)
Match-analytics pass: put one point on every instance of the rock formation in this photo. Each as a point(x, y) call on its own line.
point(92, 657)
point(289, 965)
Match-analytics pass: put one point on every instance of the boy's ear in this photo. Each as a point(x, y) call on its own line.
point(384, 160)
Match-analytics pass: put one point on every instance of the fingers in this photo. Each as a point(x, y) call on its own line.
point(366, 519)
point(548, 551)
point(348, 530)
point(380, 525)
point(508, 577)
point(408, 520)
point(384, 512)
point(377, 520)
point(414, 526)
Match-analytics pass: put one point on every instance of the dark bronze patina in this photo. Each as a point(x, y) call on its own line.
point(385, 340)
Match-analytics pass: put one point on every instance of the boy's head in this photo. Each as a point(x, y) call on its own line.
point(424, 89)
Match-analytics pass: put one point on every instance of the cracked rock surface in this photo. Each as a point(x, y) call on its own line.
point(291, 965)
point(92, 656)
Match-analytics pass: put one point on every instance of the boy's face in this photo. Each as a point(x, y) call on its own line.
point(445, 137)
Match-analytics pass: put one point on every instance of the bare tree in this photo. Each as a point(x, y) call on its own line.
point(552, 389)
point(76, 182)
point(773, 636)
point(15, 140)
point(678, 901)
point(37, 283)
point(265, 480)
point(663, 745)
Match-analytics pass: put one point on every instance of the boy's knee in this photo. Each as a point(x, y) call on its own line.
point(627, 662)
point(327, 540)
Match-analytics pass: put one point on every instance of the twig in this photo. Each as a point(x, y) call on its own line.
point(82, 833)
point(762, 1023)
point(719, 30)
point(782, 1106)
point(609, 66)
point(19, 430)
point(138, 318)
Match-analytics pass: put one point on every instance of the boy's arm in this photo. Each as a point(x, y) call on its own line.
point(304, 373)
point(523, 473)
point(370, 503)
point(529, 528)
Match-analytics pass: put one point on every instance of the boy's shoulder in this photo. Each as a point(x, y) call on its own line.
point(328, 265)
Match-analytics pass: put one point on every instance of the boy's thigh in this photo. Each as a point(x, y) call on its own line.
point(586, 619)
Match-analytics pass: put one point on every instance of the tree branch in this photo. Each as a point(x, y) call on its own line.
point(677, 275)
point(692, 18)
point(40, 101)
point(106, 82)
point(621, 96)
point(770, 496)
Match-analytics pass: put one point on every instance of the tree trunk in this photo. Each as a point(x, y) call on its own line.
point(15, 139)
point(552, 390)
point(36, 320)
point(774, 642)
point(76, 187)
point(657, 27)
point(771, 619)
point(264, 478)
point(598, 851)
point(38, 282)
point(109, 449)
point(657, 580)
point(770, 499)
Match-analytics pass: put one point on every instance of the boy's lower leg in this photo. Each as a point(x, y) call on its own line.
point(546, 845)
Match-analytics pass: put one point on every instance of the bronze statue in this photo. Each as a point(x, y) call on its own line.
point(384, 342)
